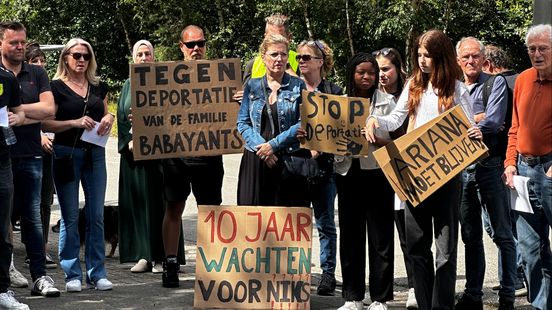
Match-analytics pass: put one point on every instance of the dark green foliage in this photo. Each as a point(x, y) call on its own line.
point(234, 28)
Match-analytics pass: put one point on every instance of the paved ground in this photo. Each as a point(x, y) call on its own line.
point(144, 291)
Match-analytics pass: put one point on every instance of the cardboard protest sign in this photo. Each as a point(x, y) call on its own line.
point(334, 123)
point(420, 162)
point(185, 108)
point(253, 257)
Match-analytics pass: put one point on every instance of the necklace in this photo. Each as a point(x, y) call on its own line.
point(80, 86)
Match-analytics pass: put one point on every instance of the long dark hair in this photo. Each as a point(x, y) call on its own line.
point(395, 57)
point(354, 61)
point(445, 70)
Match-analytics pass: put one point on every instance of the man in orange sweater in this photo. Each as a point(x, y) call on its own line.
point(529, 154)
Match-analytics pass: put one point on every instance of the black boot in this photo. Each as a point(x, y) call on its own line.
point(467, 302)
point(170, 272)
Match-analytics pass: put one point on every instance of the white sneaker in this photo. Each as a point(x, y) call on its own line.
point(367, 300)
point(17, 279)
point(376, 305)
point(411, 302)
point(141, 266)
point(102, 285)
point(45, 286)
point(157, 268)
point(352, 305)
point(8, 301)
point(73, 286)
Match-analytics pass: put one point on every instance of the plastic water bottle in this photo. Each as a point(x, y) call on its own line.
point(9, 135)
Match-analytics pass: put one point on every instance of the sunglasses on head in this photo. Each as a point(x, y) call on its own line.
point(78, 56)
point(193, 44)
point(384, 51)
point(319, 45)
point(299, 57)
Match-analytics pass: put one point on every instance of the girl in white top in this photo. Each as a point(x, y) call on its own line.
point(432, 89)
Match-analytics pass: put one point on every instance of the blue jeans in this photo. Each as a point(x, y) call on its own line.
point(323, 198)
point(520, 279)
point(483, 188)
point(6, 196)
point(533, 230)
point(27, 183)
point(90, 170)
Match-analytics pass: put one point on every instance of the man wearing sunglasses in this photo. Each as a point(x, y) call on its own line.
point(200, 175)
point(26, 154)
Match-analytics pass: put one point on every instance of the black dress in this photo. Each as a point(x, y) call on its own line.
point(260, 185)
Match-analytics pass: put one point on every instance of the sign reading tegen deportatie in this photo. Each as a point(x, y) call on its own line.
point(420, 162)
point(334, 123)
point(253, 257)
point(185, 108)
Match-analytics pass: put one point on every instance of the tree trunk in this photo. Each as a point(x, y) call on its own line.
point(412, 35)
point(125, 27)
point(349, 32)
point(307, 20)
point(220, 14)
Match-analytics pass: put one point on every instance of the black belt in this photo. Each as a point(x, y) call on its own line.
point(535, 160)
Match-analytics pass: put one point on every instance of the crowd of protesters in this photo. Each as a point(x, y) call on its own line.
point(40, 151)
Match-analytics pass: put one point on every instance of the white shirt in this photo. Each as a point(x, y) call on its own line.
point(428, 108)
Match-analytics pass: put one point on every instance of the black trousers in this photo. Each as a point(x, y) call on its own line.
point(436, 216)
point(401, 230)
point(6, 198)
point(366, 205)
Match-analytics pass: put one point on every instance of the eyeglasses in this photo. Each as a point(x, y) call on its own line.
point(193, 44)
point(534, 49)
point(319, 45)
point(384, 51)
point(299, 57)
point(78, 56)
point(274, 55)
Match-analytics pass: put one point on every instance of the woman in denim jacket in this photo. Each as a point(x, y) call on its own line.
point(268, 121)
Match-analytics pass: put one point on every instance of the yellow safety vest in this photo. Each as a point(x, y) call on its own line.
point(259, 69)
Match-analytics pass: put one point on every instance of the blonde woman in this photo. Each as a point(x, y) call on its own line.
point(81, 102)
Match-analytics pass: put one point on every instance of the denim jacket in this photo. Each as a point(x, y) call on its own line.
point(251, 109)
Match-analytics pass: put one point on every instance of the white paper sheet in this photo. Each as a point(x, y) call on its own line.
point(399, 204)
point(520, 196)
point(4, 117)
point(93, 137)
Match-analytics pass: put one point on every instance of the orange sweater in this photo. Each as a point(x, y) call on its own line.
point(531, 131)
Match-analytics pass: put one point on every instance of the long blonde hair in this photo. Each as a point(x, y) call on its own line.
point(62, 69)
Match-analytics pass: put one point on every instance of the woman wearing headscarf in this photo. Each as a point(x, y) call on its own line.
point(141, 203)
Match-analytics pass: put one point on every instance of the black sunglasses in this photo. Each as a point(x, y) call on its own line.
point(384, 51)
point(78, 56)
point(193, 44)
point(299, 57)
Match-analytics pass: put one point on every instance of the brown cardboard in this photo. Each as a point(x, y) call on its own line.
point(244, 278)
point(185, 108)
point(334, 123)
point(420, 162)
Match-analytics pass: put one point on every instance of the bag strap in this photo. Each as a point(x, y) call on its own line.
point(487, 89)
point(83, 113)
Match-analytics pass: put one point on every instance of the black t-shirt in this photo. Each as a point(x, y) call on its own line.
point(71, 105)
point(33, 80)
point(9, 97)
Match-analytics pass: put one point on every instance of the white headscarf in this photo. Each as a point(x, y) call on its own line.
point(140, 43)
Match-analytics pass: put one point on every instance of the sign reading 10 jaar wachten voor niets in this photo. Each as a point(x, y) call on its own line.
point(185, 108)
